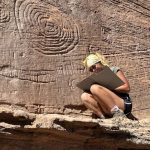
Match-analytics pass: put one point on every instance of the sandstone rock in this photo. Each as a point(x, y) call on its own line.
point(42, 45)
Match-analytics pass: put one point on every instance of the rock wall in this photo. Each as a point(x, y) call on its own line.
point(43, 43)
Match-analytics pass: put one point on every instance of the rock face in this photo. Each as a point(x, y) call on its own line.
point(42, 45)
point(56, 131)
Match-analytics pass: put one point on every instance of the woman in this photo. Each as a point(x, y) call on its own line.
point(102, 101)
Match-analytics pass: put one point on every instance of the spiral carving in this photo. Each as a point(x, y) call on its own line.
point(46, 28)
point(4, 14)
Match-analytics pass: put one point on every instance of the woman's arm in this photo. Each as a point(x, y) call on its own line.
point(125, 88)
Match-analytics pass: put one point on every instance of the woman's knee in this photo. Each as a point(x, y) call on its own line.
point(96, 88)
point(85, 97)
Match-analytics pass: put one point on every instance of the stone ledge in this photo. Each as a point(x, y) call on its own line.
point(136, 134)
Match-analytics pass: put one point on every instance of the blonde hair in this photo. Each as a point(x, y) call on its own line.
point(93, 58)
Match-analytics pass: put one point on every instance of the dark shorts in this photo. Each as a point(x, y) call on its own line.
point(127, 102)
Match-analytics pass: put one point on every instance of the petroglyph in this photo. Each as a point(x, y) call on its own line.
point(43, 43)
point(42, 75)
point(4, 14)
point(39, 76)
point(45, 27)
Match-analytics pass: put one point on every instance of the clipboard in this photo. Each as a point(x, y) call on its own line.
point(106, 78)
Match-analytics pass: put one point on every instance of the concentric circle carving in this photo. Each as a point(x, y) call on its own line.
point(45, 27)
point(4, 14)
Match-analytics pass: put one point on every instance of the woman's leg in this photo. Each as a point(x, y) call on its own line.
point(89, 101)
point(106, 98)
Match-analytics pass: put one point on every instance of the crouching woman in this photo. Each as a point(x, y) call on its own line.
point(102, 101)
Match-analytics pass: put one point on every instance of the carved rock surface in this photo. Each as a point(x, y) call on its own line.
point(42, 45)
